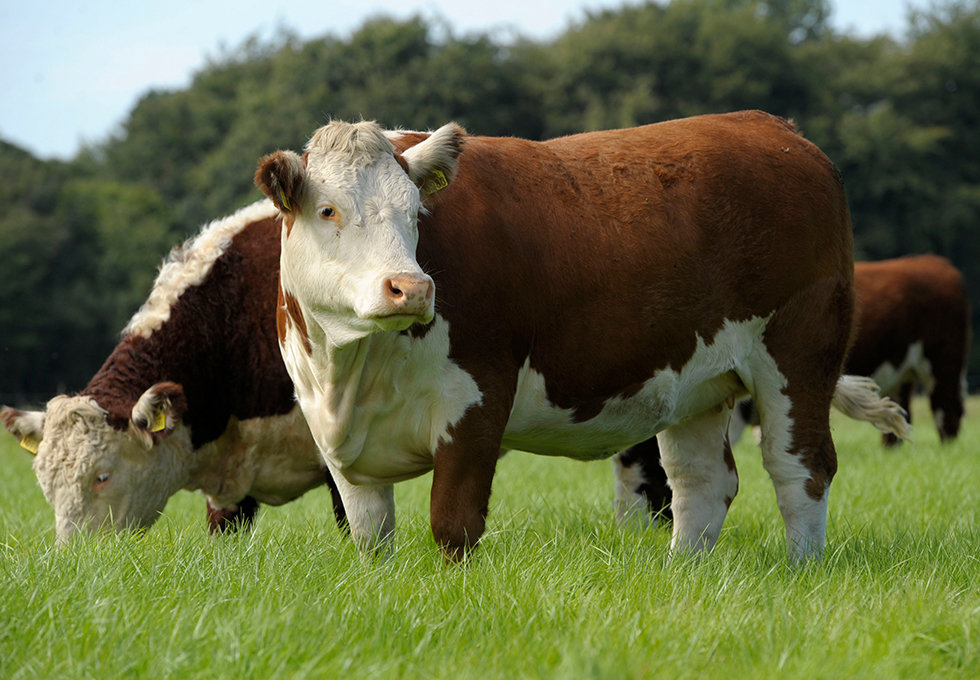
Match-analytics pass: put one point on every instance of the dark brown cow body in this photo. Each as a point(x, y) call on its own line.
point(914, 330)
point(592, 290)
point(206, 352)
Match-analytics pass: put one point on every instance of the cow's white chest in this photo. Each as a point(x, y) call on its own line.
point(709, 378)
point(405, 394)
point(914, 367)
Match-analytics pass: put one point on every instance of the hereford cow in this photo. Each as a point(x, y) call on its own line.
point(593, 291)
point(195, 396)
point(914, 329)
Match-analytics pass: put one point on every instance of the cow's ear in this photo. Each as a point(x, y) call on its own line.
point(280, 176)
point(157, 412)
point(27, 426)
point(432, 163)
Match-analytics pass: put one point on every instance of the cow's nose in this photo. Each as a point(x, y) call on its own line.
point(409, 293)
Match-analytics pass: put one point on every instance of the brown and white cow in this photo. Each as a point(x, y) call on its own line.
point(914, 330)
point(195, 396)
point(448, 296)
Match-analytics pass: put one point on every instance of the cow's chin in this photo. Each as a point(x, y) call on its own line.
point(400, 322)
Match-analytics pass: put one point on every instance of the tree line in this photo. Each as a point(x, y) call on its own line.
point(80, 240)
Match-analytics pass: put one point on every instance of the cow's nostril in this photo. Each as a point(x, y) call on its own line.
point(394, 291)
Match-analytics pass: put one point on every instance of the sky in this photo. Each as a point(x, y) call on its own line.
point(71, 70)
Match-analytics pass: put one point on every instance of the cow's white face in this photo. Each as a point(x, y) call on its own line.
point(350, 212)
point(98, 478)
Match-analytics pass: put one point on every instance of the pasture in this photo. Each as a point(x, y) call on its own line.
point(555, 591)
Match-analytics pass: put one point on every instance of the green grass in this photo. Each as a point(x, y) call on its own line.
point(556, 590)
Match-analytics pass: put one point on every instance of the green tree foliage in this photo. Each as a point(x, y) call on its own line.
point(79, 241)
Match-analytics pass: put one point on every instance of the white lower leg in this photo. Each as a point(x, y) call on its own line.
point(370, 514)
point(693, 454)
point(804, 517)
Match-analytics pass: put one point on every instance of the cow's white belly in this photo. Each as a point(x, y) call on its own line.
point(708, 379)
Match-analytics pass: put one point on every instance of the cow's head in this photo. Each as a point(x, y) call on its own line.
point(350, 207)
point(100, 475)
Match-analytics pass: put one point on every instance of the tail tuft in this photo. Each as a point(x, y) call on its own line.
point(857, 397)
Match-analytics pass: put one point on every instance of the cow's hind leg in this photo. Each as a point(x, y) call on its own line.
point(642, 492)
point(697, 456)
point(794, 374)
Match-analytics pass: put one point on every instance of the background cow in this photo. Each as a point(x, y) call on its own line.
point(914, 330)
point(593, 290)
point(195, 396)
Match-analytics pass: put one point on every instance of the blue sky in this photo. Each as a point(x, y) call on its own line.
point(72, 70)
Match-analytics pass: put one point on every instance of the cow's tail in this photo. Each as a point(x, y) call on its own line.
point(857, 397)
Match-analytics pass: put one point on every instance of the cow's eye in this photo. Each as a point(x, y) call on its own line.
point(327, 212)
point(101, 480)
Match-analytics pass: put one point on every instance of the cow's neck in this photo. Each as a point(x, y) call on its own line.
point(139, 363)
point(338, 363)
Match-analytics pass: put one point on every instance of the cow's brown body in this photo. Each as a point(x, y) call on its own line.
point(603, 264)
point(600, 306)
point(909, 305)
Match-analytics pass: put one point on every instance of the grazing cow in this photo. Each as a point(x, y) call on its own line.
point(593, 291)
point(195, 396)
point(914, 329)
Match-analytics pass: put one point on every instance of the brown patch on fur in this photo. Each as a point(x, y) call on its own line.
point(402, 162)
point(727, 454)
point(219, 345)
point(406, 141)
point(289, 309)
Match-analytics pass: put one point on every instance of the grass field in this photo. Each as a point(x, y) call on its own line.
point(556, 591)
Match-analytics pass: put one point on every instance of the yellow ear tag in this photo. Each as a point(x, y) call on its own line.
point(159, 422)
point(435, 182)
point(30, 443)
point(282, 197)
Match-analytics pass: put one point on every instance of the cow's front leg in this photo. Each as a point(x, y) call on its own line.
point(370, 514)
point(462, 477)
point(697, 456)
